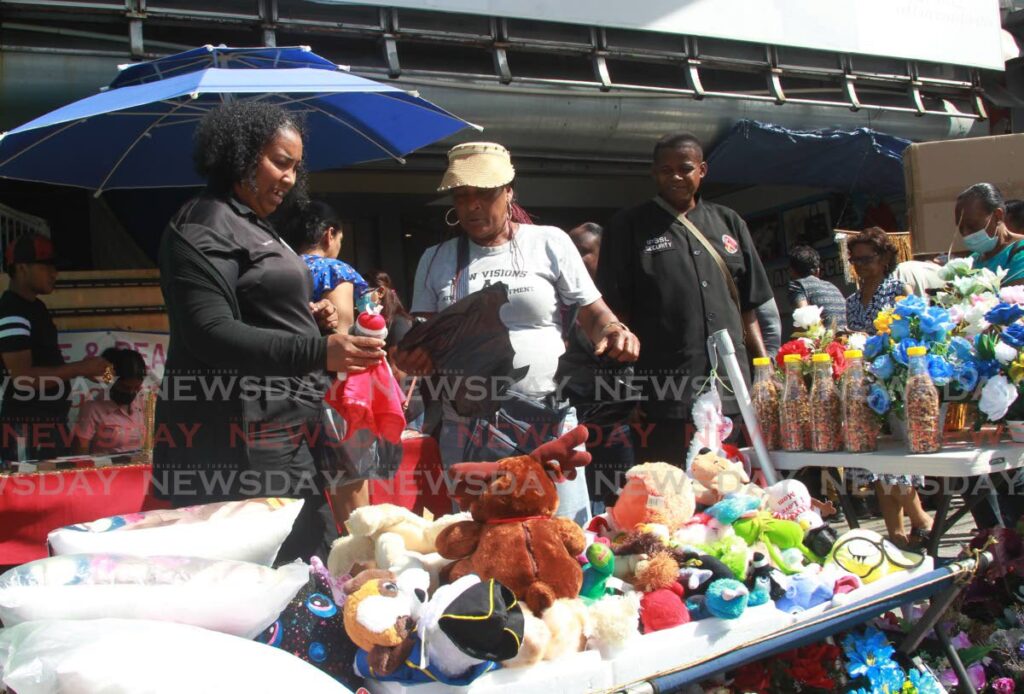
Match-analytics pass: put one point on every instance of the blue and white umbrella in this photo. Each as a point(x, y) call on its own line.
point(138, 132)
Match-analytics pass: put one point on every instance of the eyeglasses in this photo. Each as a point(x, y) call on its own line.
point(863, 259)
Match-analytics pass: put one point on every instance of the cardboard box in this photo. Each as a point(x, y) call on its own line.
point(936, 172)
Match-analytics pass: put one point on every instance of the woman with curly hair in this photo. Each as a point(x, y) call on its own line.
point(246, 365)
point(873, 255)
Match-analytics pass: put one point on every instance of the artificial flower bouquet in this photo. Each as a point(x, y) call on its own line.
point(812, 337)
point(974, 336)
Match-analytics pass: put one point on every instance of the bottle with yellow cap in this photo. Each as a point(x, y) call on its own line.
point(795, 417)
point(921, 405)
point(826, 414)
point(765, 398)
point(860, 425)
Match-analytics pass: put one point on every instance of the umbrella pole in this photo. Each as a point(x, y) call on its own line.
point(722, 344)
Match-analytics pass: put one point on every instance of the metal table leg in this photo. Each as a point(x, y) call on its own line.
point(846, 503)
point(939, 526)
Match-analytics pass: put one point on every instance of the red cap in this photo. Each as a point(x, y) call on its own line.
point(30, 248)
point(372, 325)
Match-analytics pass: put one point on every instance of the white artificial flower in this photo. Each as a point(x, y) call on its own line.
point(991, 281)
point(807, 317)
point(974, 319)
point(1005, 353)
point(965, 285)
point(996, 397)
point(957, 267)
point(857, 341)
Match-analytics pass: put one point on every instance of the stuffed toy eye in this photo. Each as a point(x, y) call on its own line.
point(321, 605)
point(389, 588)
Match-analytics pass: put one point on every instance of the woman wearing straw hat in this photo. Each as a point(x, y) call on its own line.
point(542, 270)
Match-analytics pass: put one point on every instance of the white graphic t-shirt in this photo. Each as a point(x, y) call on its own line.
point(541, 268)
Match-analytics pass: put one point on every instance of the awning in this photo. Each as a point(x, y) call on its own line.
point(858, 161)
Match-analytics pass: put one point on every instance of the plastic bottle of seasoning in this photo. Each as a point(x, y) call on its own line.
point(826, 413)
point(860, 426)
point(795, 416)
point(765, 396)
point(921, 404)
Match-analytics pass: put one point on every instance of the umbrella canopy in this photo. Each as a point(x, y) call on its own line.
point(222, 57)
point(140, 135)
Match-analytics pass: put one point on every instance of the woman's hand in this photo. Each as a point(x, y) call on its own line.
point(618, 343)
point(352, 354)
point(415, 362)
point(325, 314)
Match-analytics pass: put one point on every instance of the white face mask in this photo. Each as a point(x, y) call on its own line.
point(980, 242)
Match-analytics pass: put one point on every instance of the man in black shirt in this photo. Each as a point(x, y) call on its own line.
point(675, 294)
point(35, 400)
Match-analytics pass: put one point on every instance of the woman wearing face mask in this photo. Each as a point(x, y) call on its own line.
point(980, 217)
point(873, 254)
point(114, 425)
point(543, 271)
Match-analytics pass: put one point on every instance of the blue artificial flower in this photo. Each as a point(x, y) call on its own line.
point(867, 651)
point(900, 353)
point(940, 370)
point(963, 349)
point(882, 367)
point(987, 369)
point(900, 329)
point(875, 345)
point(913, 305)
point(935, 323)
point(967, 377)
point(924, 682)
point(887, 678)
point(1014, 335)
point(878, 399)
point(1004, 314)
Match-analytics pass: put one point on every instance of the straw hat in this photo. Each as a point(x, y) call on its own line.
point(477, 164)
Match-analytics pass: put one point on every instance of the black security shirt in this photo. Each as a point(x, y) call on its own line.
point(27, 326)
point(674, 294)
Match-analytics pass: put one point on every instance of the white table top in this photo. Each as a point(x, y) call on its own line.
point(954, 460)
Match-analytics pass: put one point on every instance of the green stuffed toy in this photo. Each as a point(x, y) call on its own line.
point(732, 551)
point(775, 534)
point(601, 564)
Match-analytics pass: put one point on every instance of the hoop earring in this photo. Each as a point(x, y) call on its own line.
point(448, 214)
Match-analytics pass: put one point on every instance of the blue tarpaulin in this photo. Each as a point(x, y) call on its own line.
point(857, 161)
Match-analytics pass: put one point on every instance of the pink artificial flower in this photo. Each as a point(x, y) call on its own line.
point(1004, 685)
point(956, 314)
point(961, 641)
point(1012, 295)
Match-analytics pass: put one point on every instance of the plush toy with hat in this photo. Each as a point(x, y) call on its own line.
point(373, 399)
point(514, 537)
point(464, 629)
point(392, 538)
point(380, 616)
point(715, 477)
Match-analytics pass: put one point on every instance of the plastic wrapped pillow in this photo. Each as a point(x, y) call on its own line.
point(115, 656)
point(251, 530)
point(233, 597)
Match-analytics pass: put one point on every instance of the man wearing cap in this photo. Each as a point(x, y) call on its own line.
point(35, 400)
point(678, 269)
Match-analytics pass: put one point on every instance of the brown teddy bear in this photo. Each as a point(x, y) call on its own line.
point(513, 537)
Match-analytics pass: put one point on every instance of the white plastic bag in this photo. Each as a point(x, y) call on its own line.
point(114, 656)
point(250, 530)
point(234, 597)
